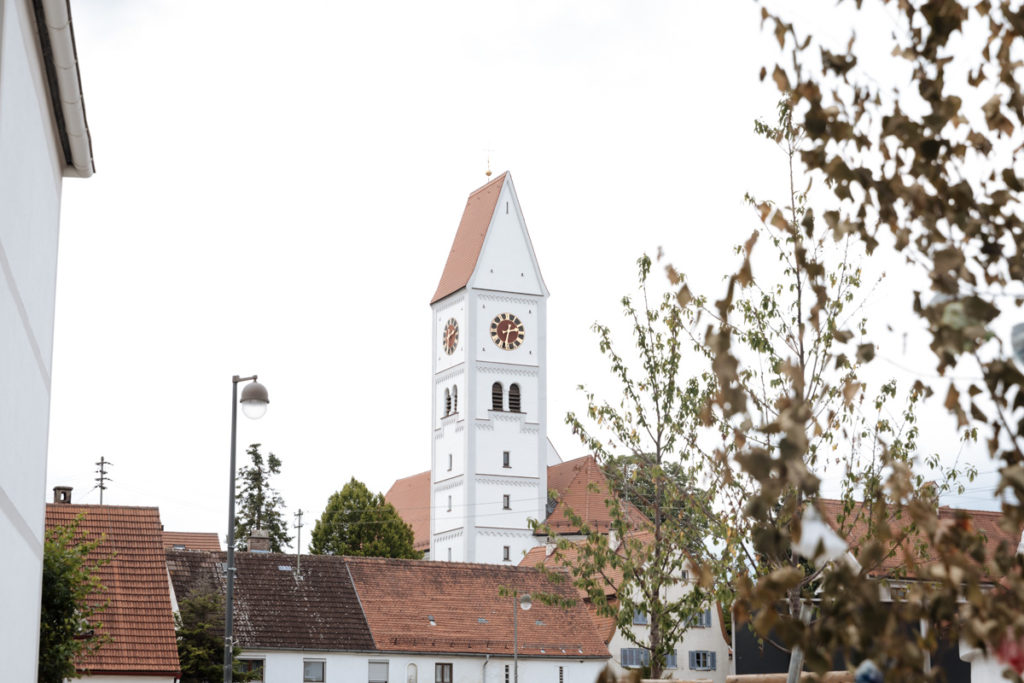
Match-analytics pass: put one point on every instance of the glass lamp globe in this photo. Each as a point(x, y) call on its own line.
point(254, 400)
point(525, 602)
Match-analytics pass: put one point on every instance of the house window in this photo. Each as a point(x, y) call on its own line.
point(497, 396)
point(449, 510)
point(639, 617)
point(252, 668)
point(898, 593)
point(634, 657)
point(513, 398)
point(313, 670)
point(455, 399)
point(506, 459)
point(449, 462)
point(506, 502)
point(378, 672)
point(447, 402)
point(702, 660)
point(442, 673)
point(506, 553)
point(671, 660)
point(704, 619)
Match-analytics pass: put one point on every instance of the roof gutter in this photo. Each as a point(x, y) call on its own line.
point(60, 60)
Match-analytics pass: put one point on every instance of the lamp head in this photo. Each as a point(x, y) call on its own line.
point(254, 400)
point(525, 602)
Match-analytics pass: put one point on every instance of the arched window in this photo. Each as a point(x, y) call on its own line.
point(497, 396)
point(513, 398)
point(411, 676)
point(455, 399)
point(447, 402)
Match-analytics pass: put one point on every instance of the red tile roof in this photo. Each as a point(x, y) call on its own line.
point(469, 239)
point(856, 527)
point(275, 609)
point(137, 617)
point(579, 496)
point(411, 498)
point(191, 540)
point(470, 616)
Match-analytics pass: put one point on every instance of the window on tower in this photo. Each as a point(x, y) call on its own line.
point(449, 462)
point(513, 398)
point(455, 399)
point(506, 459)
point(449, 504)
point(497, 396)
point(506, 553)
point(506, 502)
point(447, 403)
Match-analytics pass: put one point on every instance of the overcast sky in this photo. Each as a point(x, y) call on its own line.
point(278, 186)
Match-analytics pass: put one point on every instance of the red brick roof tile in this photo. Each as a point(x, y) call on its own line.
point(856, 525)
point(191, 540)
point(411, 498)
point(470, 616)
point(469, 239)
point(137, 617)
point(579, 496)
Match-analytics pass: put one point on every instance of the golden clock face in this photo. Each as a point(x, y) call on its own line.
point(450, 336)
point(507, 331)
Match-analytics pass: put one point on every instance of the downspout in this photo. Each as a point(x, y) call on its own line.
point(483, 671)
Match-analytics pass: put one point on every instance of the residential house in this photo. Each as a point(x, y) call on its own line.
point(43, 139)
point(136, 621)
point(356, 620)
point(896, 575)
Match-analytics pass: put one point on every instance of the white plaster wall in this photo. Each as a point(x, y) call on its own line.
point(124, 679)
point(453, 306)
point(30, 191)
point(506, 261)
point(529, 310)
point(286, 667)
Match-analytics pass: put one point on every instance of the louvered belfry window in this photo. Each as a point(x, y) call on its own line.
point(447, 402)
point(497, 396)
point(513, 398)
point(455, 399)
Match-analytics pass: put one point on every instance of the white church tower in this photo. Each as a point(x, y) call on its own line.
point(488, 474)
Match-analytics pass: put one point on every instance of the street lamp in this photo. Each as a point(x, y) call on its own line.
point(525, 603)
point(254, 405)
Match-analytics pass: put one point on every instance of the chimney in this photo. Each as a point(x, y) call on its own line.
point(62, 495)
point(259, 541)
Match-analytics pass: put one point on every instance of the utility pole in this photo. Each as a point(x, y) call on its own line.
point(103, 478)
point(298, 543)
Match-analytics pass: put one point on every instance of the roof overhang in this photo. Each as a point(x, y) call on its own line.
point(60, 60)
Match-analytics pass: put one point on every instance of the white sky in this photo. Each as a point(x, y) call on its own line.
point(278, 186)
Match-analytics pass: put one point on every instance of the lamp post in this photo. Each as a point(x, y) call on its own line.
point(525, 603)
point(254, 404)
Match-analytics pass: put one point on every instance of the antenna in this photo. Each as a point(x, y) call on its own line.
point(103, 478)
point(298, 542)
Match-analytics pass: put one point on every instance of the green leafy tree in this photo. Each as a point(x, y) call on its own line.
point(644, 442)
point(358, 522)
point(260, 505)
point(68, 629)
point(199, 624)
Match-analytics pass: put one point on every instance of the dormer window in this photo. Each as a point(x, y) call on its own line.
point(455, 399)
point(447, 403)
point(497, 396)
point(513, 398)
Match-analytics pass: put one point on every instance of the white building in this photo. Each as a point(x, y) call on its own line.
point(43, 139)
point(363, 619)
point(489, 444)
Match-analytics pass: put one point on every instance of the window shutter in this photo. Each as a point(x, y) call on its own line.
point(713, 655)
point(693, 660)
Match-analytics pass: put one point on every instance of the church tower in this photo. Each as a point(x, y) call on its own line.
point(488, 473)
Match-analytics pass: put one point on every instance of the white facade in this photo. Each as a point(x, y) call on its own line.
point(286, 666)
point(489, 459)
point(33, 161)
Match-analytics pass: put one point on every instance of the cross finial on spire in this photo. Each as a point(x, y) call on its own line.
point(488, 172)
